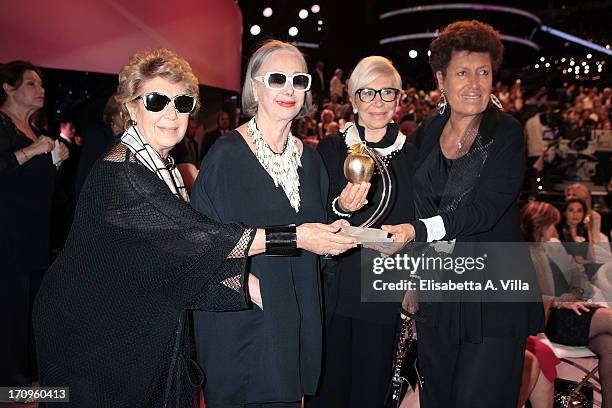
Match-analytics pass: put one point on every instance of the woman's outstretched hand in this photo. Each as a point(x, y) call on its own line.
point(324, 239)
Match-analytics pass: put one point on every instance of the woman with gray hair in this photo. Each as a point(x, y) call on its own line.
point(361, 335)
point(269, 355)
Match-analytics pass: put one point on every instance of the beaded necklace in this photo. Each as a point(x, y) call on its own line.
point(283, 166)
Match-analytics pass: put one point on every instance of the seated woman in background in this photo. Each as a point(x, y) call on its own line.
point(576, 232)
point(593, 218)
point(570, 320)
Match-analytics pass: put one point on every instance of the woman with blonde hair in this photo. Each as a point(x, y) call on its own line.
point(360, 336)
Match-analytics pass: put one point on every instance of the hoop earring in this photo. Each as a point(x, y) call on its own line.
point(495, 101)
point(442, 102)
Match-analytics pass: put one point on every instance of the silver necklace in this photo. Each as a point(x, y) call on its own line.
point(283, 166)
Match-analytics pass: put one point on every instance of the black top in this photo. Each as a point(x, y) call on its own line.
point(477, 208)
point(400, 210)
point(255, 357)
point(431, 183)
point(109, 317)
point(25, 203)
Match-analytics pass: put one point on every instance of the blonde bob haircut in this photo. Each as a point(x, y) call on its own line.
point(147, 65)
point(257, 60)
point(368, 70)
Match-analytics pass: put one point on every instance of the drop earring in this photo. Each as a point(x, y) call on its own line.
point(442, 102)
point(495, 101)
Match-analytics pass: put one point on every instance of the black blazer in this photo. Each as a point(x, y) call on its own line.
point(488, 214)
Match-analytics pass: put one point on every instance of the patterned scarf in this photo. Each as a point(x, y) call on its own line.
point(149, 157)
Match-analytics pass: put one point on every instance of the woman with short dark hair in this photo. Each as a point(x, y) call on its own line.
point(468, 174)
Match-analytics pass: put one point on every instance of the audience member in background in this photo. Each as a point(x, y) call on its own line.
point(223, 126)
point(99, 135)
point(327, 117)
point(335, 105)
point(593, 218)
point(332, 129)
point(64, 196)
point(537, 146)
point(27, 178)
point(336, 86)
point(571, 320)
point(186, 155)
point(319, 84)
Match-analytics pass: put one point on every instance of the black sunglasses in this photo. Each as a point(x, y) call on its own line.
point(156, 102)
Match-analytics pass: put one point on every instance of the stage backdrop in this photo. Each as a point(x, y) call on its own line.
point(100, 35)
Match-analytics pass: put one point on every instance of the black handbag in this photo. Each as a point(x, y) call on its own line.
point(572, 394)
point(405, 372)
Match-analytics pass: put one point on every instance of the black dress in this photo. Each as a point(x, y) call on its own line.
point(25, 207)
point(111, 315)
point(471, 354)
point(361, 335)
point(272, 355)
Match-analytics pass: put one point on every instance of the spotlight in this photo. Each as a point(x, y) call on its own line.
point(429, 53)
point(563, 59)
point(315, 8)
point(589, 56)
point(318, 28)
point(320, 22)
point(255, 29)
point(542, 59)
point(569, 70)
point(547, 64)
point(536, 66)
point(572, 63)
point(293, 31)
point(303, 14)
point(413, 53)
point(583, 63)
point(540, 187)
point(267, 12)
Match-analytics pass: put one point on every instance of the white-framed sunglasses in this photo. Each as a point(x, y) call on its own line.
point(278, 80)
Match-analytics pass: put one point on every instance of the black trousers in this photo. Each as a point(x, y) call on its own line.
point(469, 375)
point(357, 363)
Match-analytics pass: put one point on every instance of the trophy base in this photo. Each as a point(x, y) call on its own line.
point(364, 235)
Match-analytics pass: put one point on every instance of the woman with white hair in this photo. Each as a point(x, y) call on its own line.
point(269, 355)
point(360, 336)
